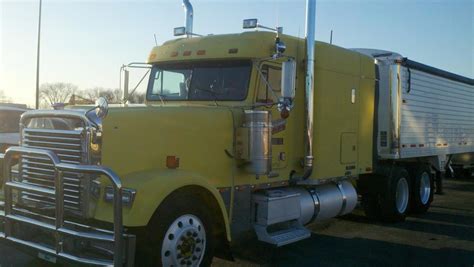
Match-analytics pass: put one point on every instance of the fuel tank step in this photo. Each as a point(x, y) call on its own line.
point(278, 208)
point(282, 237)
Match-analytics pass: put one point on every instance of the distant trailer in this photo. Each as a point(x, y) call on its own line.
point(421, 111)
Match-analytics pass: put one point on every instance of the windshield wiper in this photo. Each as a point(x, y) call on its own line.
point(213, 93)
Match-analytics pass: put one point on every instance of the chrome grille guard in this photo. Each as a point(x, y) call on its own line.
point(58, 226)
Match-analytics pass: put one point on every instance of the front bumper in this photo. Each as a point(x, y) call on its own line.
point(55, 237)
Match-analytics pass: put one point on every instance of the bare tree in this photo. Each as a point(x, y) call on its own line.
point(137, 98)
point(112, 95)
point(60, 92)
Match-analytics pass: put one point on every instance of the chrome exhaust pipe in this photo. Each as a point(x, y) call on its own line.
point(309, 86)
point(188, 17)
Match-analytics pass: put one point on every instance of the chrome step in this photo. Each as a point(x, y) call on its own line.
point(278, 208)
point(282, 237)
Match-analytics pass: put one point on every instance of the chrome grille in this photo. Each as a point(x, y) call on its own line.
point(37, 170)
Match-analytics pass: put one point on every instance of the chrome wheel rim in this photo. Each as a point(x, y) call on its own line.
point(425, 188)
point(401, 196)
point(184, 243)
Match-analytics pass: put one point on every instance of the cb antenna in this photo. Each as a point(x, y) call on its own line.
point(330, 38)
point(156, 42)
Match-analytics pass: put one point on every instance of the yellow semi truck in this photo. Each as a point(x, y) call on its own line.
point(257, 132)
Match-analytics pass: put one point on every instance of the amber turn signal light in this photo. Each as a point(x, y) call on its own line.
point(172, 162)
point(284, 114)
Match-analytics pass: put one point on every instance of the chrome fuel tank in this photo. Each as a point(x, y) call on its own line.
point(255, 138)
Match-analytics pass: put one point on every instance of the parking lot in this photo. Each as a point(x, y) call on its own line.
point(442, 237)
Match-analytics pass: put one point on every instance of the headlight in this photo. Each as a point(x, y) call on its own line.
point(128, 195)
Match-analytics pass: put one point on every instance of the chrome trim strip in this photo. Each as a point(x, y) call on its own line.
point(317, 204)
point(344, 198)
point(29, 188)
point(9, 217)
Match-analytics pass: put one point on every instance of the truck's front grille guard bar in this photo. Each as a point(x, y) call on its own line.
point(58, 193)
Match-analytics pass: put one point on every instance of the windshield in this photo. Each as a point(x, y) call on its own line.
point(10, 121)
point(200, 81)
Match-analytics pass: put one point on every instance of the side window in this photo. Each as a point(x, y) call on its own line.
point(271, 81)
point(171, 84)
point(170, 80)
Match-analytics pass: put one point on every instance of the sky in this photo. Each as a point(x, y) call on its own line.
point(86, 42)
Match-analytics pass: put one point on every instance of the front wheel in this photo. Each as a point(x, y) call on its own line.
point(184, 242)
point(179, 234)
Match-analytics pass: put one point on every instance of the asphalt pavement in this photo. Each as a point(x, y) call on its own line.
point(444, 236)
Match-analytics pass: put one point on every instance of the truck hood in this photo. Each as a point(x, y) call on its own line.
point(138, 139)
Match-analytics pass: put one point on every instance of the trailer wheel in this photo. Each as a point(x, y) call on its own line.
point(394, 201)
point(422, 190)
point(179, 234)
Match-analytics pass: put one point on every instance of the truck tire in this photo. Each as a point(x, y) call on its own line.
point(371, 206)
point(179, 234)
point(422, 190)
point(395, 197)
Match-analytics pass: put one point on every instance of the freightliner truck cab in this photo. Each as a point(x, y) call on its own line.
point(256, 132)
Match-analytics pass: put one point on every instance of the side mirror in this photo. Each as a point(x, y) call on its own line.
point(288, 84)
point(101, 107)
point(288, 79)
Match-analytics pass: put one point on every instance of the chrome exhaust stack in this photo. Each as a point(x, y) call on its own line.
point(309, 85)
point(188, 17)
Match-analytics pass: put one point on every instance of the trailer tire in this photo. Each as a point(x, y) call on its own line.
point(394, 199)
point(163, 231)
point(422, 190)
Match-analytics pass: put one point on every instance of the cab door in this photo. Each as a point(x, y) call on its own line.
point(267, 94)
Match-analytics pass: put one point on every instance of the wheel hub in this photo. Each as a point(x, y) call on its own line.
point(401, 196)
point(425, 188)
point(184, 242)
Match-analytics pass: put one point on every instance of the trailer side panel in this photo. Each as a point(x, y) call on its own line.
point(436, 114)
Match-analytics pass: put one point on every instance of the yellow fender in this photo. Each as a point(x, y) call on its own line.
point(152, 188)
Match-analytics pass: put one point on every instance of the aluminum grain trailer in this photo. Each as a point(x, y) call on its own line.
point(424, 123)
